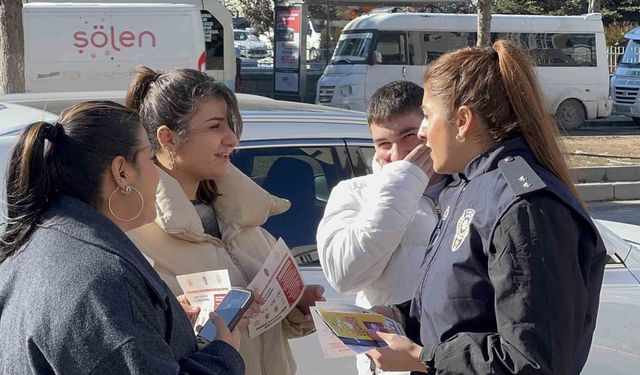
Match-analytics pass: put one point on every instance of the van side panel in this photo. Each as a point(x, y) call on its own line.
point(97, 48)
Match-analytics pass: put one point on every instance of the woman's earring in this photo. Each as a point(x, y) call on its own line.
point(126, 191)
point(172, 160)
point(459, 138)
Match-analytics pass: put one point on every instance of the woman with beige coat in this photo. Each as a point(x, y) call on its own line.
point(208, 212)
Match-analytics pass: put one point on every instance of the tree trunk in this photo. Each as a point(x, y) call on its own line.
point(484, 23)
point(11, 47)
point(594, 6)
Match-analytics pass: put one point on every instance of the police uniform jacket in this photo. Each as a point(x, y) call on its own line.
point(512, 279)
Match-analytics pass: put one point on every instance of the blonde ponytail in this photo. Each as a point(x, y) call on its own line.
point(538, 127)
point(499, 84)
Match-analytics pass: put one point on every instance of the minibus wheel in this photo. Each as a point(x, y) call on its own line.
point(570, 114)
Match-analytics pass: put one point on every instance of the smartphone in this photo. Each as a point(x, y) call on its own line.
point(231, 309)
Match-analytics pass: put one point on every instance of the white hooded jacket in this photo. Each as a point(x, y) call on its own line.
point(375, 233)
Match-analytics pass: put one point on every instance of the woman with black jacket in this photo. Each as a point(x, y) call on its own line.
point(76, 295)
point(511, 281)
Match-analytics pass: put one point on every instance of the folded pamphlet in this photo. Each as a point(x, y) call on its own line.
point(343, 330)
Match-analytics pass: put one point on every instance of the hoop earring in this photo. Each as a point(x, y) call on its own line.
point(126, 191)
point(459, 138)
point(172, 160)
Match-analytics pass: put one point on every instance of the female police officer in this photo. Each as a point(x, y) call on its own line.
point(512, 279)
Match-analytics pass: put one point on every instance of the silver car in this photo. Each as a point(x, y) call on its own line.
point(301, 151)
point(250, 46)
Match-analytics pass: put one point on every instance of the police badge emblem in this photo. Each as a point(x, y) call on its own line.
point(462, 228)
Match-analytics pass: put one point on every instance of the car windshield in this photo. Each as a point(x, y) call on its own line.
point(240, 36)
point(631, 54)
point(352, 48)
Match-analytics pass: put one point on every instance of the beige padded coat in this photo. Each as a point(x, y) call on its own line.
point(178, 245)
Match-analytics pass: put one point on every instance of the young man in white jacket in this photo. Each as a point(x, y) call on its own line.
point(376, 228)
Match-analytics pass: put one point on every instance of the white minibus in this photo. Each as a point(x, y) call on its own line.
point(625, 84)
point(569, 53)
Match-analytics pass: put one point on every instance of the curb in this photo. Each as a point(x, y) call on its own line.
point(609, 191)
point(605, 174)
point(608, 183)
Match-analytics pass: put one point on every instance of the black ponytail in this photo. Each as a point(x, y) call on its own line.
point(29, 186)
point(139, 86)
point(69, 157)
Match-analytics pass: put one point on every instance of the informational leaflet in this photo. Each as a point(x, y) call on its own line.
point(331, 345)
point(205, 290)
point(343, 330)
point(280, 284)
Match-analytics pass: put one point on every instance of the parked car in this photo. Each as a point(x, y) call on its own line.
point(14, 117)
point(251, 47)
point(301, 151)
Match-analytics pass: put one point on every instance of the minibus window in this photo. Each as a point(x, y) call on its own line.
point(435, 43)
point(391, 48)
point(352, 48)
point(556, 49)
point(631, 54)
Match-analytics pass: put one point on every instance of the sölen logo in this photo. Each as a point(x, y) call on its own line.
point(108, 39)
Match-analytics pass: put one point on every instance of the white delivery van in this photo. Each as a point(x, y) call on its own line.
point(96, 46)
point(625, 84)
point(314, 39)
point(569, 53)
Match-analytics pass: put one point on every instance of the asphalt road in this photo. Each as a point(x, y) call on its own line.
point(612, 125)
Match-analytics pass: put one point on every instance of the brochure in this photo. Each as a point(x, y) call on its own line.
point(343, 330)
point(280, 284)
point(205, 290)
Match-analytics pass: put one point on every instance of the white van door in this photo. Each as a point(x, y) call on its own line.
point(417, 59)
point(96, 47)
point(390, 61)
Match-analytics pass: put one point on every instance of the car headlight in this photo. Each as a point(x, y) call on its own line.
point(346, 90)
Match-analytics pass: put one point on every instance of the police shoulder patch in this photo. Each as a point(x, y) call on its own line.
point(462, 228)
point(522, 179)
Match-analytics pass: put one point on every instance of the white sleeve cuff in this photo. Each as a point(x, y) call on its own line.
point(401, 168)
